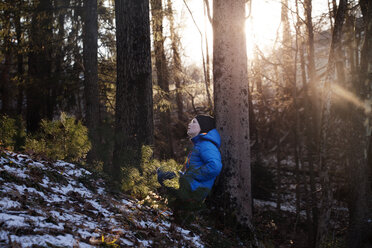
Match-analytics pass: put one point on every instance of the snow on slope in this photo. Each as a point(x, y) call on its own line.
point(62, 205)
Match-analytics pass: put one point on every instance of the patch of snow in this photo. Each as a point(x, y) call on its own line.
point(63, 189)
point(288, 207)
point(166, 224)
point(3, 160)
point(101, 191)
point(126, 242)
point(195, 239)
point(16, 171)
point(84, 192)
point(64, 164)
point(22, 188)
point(83, 245)
point(13, 220)
point(84, 234)
point(3, 235)
point(75, 218)
point(100, 209)
point(43, 240)
point(56, 198)
point(147, 224)
point(38, 165)
point(261, 203)
point(45, 182)
point(14, 161)
point(7, 203)
point(78, 172)
point(145, 243)
point(126, 202)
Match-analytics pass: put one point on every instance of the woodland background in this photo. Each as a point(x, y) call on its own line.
point(94, 81)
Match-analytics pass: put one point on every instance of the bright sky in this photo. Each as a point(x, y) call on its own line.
point(261, 27)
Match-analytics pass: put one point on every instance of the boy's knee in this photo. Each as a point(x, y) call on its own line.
point(165, 175)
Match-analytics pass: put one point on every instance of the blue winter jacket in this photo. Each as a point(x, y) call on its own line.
point(203, 164)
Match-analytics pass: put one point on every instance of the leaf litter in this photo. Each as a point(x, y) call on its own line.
point(44, 204)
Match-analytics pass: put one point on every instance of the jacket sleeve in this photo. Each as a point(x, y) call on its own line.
point(211, 158)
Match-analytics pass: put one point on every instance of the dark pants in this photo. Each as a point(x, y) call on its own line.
point(165, 175)
point(183, 198)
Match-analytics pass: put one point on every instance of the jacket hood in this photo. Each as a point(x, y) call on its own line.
point(212, 136)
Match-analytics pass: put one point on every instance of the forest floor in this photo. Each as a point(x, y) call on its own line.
point(59, 204)
point(283, 227)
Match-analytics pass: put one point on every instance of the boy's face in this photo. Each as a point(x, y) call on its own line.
point(193, 128)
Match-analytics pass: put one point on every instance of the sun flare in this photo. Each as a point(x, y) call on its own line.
point(262, 24)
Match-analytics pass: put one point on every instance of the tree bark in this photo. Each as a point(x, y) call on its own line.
point(20, 68)
point(134, 108)
point(296, 125)
point(39, 66)
point(312, 120)
point(5, 67)
point(360, 203)
point(278, 176)
point(91, 89)
point(324, 163)
point(207, 59)
point(232, 106)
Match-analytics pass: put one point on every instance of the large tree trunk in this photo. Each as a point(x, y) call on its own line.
point(162, 77)
point(326, 115)
point(360, 199)
point(134, 108)
point(90, 49)
point(39, 66)
point(232, 106)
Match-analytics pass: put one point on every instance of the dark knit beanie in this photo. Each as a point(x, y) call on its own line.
point(206, 123)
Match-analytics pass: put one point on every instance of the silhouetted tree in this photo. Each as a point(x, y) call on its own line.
point(134, 106)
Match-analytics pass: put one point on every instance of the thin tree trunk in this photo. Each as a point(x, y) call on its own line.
point(312, 121)
point(162, 75)
point(77, 58)
point(297, 120)
point(287, 54)
point(278, 177)
point(6, 68)
point(60, 44)
point(20, 69)
point(176, 63)
point(209, 98)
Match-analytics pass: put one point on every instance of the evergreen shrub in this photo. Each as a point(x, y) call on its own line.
point(65, 139)
point(12, 133)
point(140, 182)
